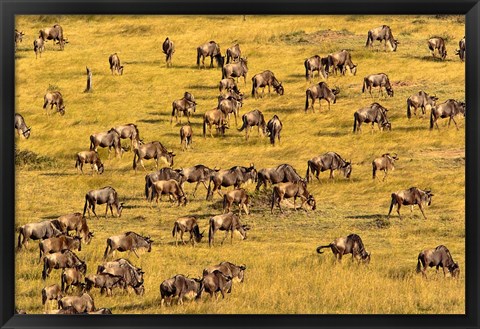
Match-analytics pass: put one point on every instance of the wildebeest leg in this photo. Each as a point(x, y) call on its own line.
point(245, 208)
point(92, 205)
point(331, 173)
point(385, 176)
point(181, 237)
point(421, 209)
point(211, 61)
point(231, 236)
point(106, 211)
point(451, 118)
point(398, 210)
point(141, 162)
point(225, 237)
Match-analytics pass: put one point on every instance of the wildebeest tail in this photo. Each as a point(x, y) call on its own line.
point(431, 118)
point(409, 112)
point(364, 84)
point(63, 280)
point(306, 69)
point(355, 119)
point(419, 265)
point(253, 86)
point(224, 202)
point(210, 231)
point(244, 125)
point(307, 175)
point(175, 226)
point(106, 249)
point(369, 37)
point(85, 206)
point(374, 169)
point(394, 201)
point(40, 247)
point(44, 296)
point(319, 249)
point(204, 127)
point(135, 159)
point(45, 266)
point(307, 94)
point(274, 196)
point(20, 233)
point(209, 190)
point(198, 57)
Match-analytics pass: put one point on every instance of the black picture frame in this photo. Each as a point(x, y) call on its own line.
point(469, 8)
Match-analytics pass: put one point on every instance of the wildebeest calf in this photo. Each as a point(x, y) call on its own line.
point(52, 292)
point(179, 286)
point(170, 187)
point(386, 162)
point(186, 136)
point(215, 282)
point(238, 196)
point(72, 277)
point(91, 157)
point(105, 281)
point(187, 224)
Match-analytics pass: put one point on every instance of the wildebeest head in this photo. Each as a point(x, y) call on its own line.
point(82, 267)
point(454, 270)
point(395, 44)
point(387, 125)
point(389, 91)
point(427, 197)
point(335, 92)
point(77, 243)
point(61, 110)
point(140, 290)
point(347, 169)
point(241, 273)
point(120, 209)
point(366, 256)
point(220, 59)
point(311, 202)
point(88, 237)
point(26, 133)
point(169, 156)
point(462, 107)
point(149, 241)
point(279, 89)
point(101, 168)
point(353, 69)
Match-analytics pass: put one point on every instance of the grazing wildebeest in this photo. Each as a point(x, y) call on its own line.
point(236, 70)
point(214, 117)
point(153, 150)
point(375, 113)
point(18, 35)
point(233, 53)
point(321, 91)
point(78, 223)
point(313, 64)
point(62, 259)
point(129, 130)
point(438, 257)
point(274, 127)
point(238, 196)
point(235, 176)
point(83, 303)
point(228, 84)
point(211, 49)
point(292, 190)
point(133, 275)
point(266, 79)
point(129, 241)
point(52, 292)
point(226, 222)
point(56, 244)
point(21, 126)
point(54, 33)
point(197, 174)
point(38, 47)
point(186, 136)
point(251, 119)
point(237, 272)
point(411, 197)
point(230, 105)
point(106, 195)
point(172, 188)
point(168, 49)
point(379, 80)
point(91, 157)
point(72, 277)
point(437, 43)
point(382, 33)
point(420, 100)
point(115, 66)
point(187, 224)
point(386, 163)
point(105, 281)
point(36, 231)
point(231, 94)
point(462, 49)
point(106, 139)
point(179, 286)
point(216, 282)
point(280, 174)
point(351, 244)
point(162, 174)
point(183, 106)
point(328, 161)
point(448, 109)
point(54, 98)
point(340, 60)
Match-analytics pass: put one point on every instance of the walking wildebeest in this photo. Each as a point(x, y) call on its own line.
point(251, 119)
point(437, 43)
point(129, 130)
point(62, 259)
point(266, 79)
point(106, 195)
point(411, 197)
point(233, 53)
point(78, 223)
point(382, 33)
point(197, 174)
point(104, 139)
point(211, 49)
point(214, 117)
point(187, 224)
point(54, 98)
point(153, 150)
point(238, 196)
point(375, 113)
point(72, 277)
point(18, 35)
point(462, 49)
point(274, 127)
point(236, 70)
point(83, 303)
point(162, 174)
point(420, 100)
point(168, 49)
point(115, 66)
point(320, 91)
point(172, 188)
point(379, 80)
point(54, 33)
point(312, 64)
point(216, 282)
point(448, 109)
point(38, 47)
point(280, 174)
point(105, 281)
point(235, 176)
point(56, 244)
point(186, 135)
point(230, 105)
point(21, 126)
point(183, 106)
point(91, 157)
point(133, 275)
point(292, 190)
point(129, 241)
point(36, 231)
point(386, 163)
point(340, 60)
point(351, 244)
point(179, 286)
point(328, 161)
point(226, 222)
point(237, 273)
point(228, 84)
point(438, 257)
point(52, 292)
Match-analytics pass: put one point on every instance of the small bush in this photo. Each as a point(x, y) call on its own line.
point(32, 160)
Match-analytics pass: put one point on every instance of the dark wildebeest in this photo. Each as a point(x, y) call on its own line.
point(280, 174)
point(129, 130)
point(62, 259)
point(462, 49)
point(266, 79)
point(162, 174)
point(115, 66)
point(312, 64)
point(91, 157)
point(236, 70)
point(351, 244)
point(105, 281)
point(72, 277)
point(292, 190)
point(21, 126)
point(448, 109)
point(83, 303)
point(78, 223)
point(216, 282)
point(230, 105)
point(179, 286)
point(411, 197)
point(251, 119)
point(54, 33)
point(18, 35)
point(233, 53)
point(386, 163)
point(211, 49)
point(236, 272)
point(106, 139)
point(228, 84)
point(420, 100)
point(438, 257)
point(328, 161)
point(187, 224)
point(129, 241)
point(38, 47)
point(186, 136)
point(340, 60)
point(54, 98)
point(226, 222)
point(320, 91)
point(437, 43)
point(197, 174)
point(379, 80)
point(183, 106)
point(133, 275)
point(375, 113)
point(235, 176)
point(153, 150)
point(171, 188)
point(106, 195)
point(214, 117)
point(238, 196)
point(274, 127)
point(56, 244)
point(52, 292)
point(168, 49)
point(382, 33)
point(37, 231)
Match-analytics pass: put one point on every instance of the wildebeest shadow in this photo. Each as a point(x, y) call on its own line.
point(150, 120)
point(331, 133)
point(201, 87)
point(144, 62)
point(371, 216)
point(296, 75)
point(62, 174)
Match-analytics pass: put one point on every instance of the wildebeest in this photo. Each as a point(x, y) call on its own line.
point(56, 244)
point(72, 277)
point(106, 139)
point(128, 130)
point(379, 80)
point(211, 49)
point(375, 113)
point(107, 195)
point(38, 47)
point(230, 105)
point(186, 135)
point(153, 150)
point(183, 106)
point(233, 53)
point(420, 100)
point(115, 66)
point(280, 174)
point(62, 259)
point(83, 303)
point(196, 174)
point(216, 282)
point(63, 311)
point(179, 286)
point(292, 190)
point(315, 63)
point(129, 241)
point(226, 222)
point(328, 161)
point(251, 119)
point(105, 281)
point(320, 91)
point(187, 224)
point(238, 196)
point(382, 33)
point(21, 126)
point(274, 127)
point(386, 163)
point(78, 223)
point(54, 98)
point(235, 176)
point(448, 109)
point(411, 197)
point(217, 118)
point(236, 70)
point(133, 275)
point(351, 244)
point(52, 292)
point(437, 43)
point(168, 49)
point(438, 257)
point(172, 188)
point(340, 60)
point(462, 49)
point(266, 79)
point(36, 231)
point(18, 35)
point(236, 272)
point(91, 157)
point(228, 84)
point(54, 33)
point(162, 174)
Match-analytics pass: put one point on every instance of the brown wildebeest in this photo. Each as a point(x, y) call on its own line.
point(115, 66)
point(421, 100)
point(106, 139)
point(211, 49)
point(21, 126)
point(228, 84)
point(274, 127)
point(237, 273)
point(217, 118)
point(379, 80)
point(411, 197)
point(129, 130)
point(437, 43)
point(78, 223)
point(196, 174)
point(56, 244)
point(216, 282)
point(106, 195)
point(375, 113)
point(328, 161)
point(438, 257)
point(186, 136)
point(292, 190)
point(226, 222)
point(133, 275)
point(386, 163)
point(238, 196)
point(162, 174)
point(462, 49)
point(187, 224)
point(266, 79)
point(315, 63)
point(52, 292)
point(448, 109)
point(340, 60)
point(235, 176)
point(320, 91)
point(382, 33)
point(83, 303)
point(62, 259)
point(168, 49)
point(72, 277)
point(233, 53)
point(280, 174)
point(36, 231)
point(251, 119)
point(230, 105)
point(54, 98)
point(38, 47)
point(179, 286)
point(236, 70)
point(183, 106)
point(129, 241)
point(153, 150)
point(105, 281)
point(171, 188)
point(54, 33)
point(351, 244)
point(91, 157)
point(18, 35)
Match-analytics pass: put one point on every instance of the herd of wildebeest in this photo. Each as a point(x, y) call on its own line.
point(57, 244)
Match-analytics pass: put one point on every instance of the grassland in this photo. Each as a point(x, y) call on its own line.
point(284, 273)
